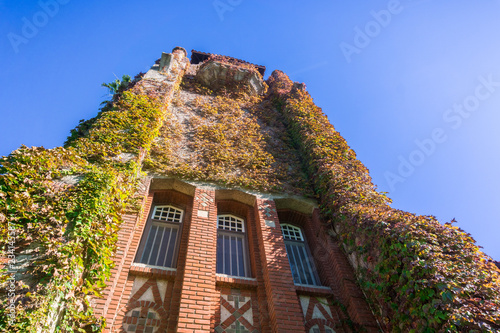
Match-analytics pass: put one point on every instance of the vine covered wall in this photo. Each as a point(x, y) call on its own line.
point(60, 209)
point(420, 275)
point(229, 138)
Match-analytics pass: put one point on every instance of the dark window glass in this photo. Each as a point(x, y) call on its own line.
point(232, 251)
point(159, 247)
point(301, 263)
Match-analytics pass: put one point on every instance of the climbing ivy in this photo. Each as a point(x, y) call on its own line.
point(229, 138)
point(423, 276)
point(116, 89)
point(65, 205)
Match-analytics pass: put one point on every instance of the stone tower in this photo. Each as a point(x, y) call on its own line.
point(230, 238)
point(204, 198)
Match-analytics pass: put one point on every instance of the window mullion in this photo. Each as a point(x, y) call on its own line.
point(296, 264)
point(237, 257)
point(230, 256)
point(168, 246)
point(300, 265)
point(152, 244)
point(245, 256)
point(300, 249)
point(159, 246)
point(308, 265)
point(224, 253)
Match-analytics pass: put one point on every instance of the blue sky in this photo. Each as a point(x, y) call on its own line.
point(413, 86)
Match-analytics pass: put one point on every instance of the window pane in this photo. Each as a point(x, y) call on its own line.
point(169, 260)
point(234, 257)
point(232, 250)
point(167, 213)
point(163, 246)
point(231, 255)
point(300, 267)
point(160, 245)
point(220, 254)
point(300, 264)
point(149, 244)
point(293, 263)
point(227, 256)
point(305, 263)
point(229, 222)
point(241, 257)
point(155, 247)
point(292, 233)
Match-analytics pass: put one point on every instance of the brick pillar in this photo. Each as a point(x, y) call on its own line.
point(283, 304)
point(342, 279)
point(198, 286)
point(117, 292)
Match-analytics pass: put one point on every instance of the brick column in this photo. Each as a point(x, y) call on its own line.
point(283, 304)
point(118, 289)
point(198, 286)
point(341, 277)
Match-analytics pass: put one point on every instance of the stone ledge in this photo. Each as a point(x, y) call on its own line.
point(235, 282)
point(157, 272)
point(313, 290)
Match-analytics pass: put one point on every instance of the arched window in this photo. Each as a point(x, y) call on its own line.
point(232, 248)
point(301, 263)
point(160, 246)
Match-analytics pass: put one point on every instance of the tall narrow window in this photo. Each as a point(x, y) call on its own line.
point(232, 249)
point(159, 244)
point(303, 269)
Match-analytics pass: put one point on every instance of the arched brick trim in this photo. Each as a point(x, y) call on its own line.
point(293, 217)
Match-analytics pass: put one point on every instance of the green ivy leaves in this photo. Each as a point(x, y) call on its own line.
point(68, 203)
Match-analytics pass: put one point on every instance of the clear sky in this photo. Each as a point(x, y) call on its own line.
point(414, 86)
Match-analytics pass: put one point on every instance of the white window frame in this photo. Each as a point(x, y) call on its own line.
point(301, 262)
point(173, 221)
point(231, 227)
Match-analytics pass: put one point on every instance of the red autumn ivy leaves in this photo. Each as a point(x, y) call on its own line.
point(422, 276)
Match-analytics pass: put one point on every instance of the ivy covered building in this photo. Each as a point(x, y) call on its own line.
point(204, 198)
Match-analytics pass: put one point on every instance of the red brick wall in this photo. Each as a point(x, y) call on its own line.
point(226, 285)
point(193, 299)
point(198, 285)
point(118, 299)
point(339, 274)
point(283, 304)
point(108, 305)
